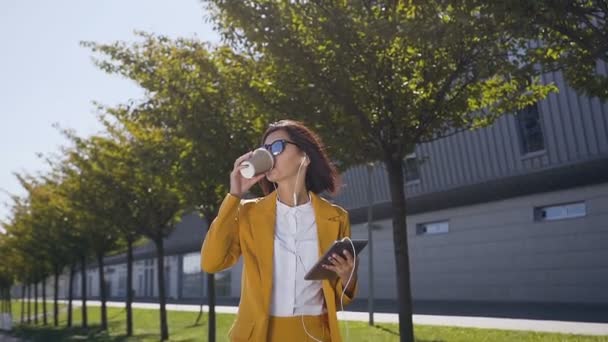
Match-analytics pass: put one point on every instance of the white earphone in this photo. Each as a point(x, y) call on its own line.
point(295, 199)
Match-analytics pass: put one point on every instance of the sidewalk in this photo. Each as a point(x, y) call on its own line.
point(552, 326)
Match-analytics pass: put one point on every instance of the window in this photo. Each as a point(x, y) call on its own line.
point(431, 228)
point(89, 285)
point(140, 292)
point(122, 281)
point(560, 212)
point(223, 283)
point(410, 168)
point(168, 280)
point(530, 129)
point(191, 263)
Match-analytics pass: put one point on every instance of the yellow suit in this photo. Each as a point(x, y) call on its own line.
point(246, 227)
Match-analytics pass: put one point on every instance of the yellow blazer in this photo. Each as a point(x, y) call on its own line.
point(246, 227)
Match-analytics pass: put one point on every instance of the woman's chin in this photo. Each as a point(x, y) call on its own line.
point(271, 177)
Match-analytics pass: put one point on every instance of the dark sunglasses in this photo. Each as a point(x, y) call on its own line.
point(278, 146)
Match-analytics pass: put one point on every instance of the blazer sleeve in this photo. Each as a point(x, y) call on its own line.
point(346, 299)
point(221, 248)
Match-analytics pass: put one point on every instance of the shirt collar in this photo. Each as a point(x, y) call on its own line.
point(305, 208)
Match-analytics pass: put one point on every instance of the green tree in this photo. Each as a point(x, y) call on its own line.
point(80, 240)
point(18, 265)
point(57, 236)
point(98, 201)
point(568, 35)
point(152, 158)
point(34, 236)
point(102, 164)
point(19, 239)
point(43, 251)
point(7, 275)
point(377, 78)
point(196, 96)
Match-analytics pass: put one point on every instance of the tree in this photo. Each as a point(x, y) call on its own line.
point(157, 205)
point(57, 246)
point(568, 35)
point(78, 240)
point(98, 203)
point(194, 96)
point(7, 276)
point(106, 172)
point(105, 194)
point(19, 240)
point(51, 234)
point(377, 78)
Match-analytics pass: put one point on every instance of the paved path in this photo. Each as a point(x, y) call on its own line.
point(6, 338)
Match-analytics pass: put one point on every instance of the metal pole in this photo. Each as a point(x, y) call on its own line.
point(370, 198)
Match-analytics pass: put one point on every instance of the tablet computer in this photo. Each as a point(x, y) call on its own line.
point(317, 272)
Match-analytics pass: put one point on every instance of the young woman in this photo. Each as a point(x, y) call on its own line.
point(281, 236)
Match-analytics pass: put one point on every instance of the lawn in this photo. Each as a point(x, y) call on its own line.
point(183, 327)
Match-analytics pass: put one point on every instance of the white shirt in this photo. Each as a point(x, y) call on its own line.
point(296, 250)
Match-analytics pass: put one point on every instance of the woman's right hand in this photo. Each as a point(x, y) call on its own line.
point(239, 185)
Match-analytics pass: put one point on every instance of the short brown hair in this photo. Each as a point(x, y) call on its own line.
point(322, 175)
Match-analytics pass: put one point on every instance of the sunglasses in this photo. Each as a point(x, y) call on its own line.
point(278, 146)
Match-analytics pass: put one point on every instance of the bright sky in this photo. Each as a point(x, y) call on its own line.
point(47, 78)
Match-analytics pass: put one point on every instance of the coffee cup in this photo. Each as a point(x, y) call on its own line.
point(260, 162)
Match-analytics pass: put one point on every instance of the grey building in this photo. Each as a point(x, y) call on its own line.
point(513, 214)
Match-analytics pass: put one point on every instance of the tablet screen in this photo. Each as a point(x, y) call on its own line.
point(317, 272)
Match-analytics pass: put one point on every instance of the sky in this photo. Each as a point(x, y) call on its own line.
point(47, 78)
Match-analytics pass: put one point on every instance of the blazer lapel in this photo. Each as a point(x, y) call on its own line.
point(328, 223)
point(328, 231)
point(262, 226)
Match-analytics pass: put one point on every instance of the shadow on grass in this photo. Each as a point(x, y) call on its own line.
point(195, 324)
point(387, 330)
point(56, 334)
point(396, 333)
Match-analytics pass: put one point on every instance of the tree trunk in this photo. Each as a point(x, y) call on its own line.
point(56, 298)
point(10, 302)
point(70, 294)
point(83, 277)
point(35, 303)
point(129, 287)
point(211, 300)
point(404, 294)
point(102, 292)
point(160, 254)
point(210, 216)
point(22, 304)
point(44, 320)
point(29, 303)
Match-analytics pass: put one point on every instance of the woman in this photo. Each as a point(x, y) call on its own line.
point(281, 236)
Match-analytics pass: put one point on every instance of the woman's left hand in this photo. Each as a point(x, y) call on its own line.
point(344, 265)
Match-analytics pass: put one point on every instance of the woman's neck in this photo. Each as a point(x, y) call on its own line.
point(285, 193)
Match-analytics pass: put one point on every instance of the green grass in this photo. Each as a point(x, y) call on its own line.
point(182, 327)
